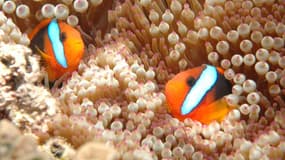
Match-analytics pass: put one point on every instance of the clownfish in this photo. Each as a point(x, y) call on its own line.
point(198, 93)
point(60, 46)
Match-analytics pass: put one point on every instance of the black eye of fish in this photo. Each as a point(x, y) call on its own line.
point(191, 81)
point(62, 36)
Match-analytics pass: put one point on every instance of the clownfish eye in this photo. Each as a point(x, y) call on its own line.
point(191, 81)
point(203, 84)
point(62, 36)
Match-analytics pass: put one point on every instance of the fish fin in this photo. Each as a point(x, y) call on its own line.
point(37, 28)
point(42, 53)
point(223, 87)
point(214, 111)
point(49, 73)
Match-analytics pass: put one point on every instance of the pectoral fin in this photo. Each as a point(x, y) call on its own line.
point(43, 54)
point(214, 111)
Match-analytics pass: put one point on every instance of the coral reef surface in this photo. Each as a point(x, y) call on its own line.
point(114, 107)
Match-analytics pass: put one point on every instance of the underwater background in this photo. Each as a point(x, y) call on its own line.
point(114, 107)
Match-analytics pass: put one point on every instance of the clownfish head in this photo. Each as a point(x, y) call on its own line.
point(60, 46)
point(197, 93)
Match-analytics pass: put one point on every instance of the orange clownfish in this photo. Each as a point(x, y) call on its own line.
point(198, 93)
point(60, 46)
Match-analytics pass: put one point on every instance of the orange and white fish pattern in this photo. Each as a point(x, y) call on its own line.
point(198, 93)
point(60, 45)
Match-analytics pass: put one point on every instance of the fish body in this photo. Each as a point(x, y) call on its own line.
point(198, 93)
point(60, 45)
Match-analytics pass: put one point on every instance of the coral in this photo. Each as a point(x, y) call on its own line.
point(26, 104)
point(114, 89)
point(29, 13)
point(102, 152)
point(16, 146)
point(33, 108)
point(59, 148)
point(164, 33)
point(116, 98)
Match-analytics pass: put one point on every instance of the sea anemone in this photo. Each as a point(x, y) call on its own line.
point(115, 98)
